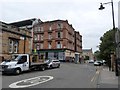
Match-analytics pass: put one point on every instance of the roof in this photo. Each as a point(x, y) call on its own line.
point(58, 20)
point(23, 23)
point(1, 22)
point(85, 50)
point(55, 21)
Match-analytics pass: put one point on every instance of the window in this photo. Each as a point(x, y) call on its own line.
point(56, 55)
point(23, 60)
point(35, 37)
point(38, 28)
point(58, 34)
point(41, 29)
point(42, 56)
point(10, 46)
point(49, 46)
point(38, 46)
point(34, 29)
point(50, 36)
point(50, 28)
point(41, 37)
point(59, 45)
point(35, 45)
point(59, 26)
point(13, 46)
point(38, 38)
point(41, 45)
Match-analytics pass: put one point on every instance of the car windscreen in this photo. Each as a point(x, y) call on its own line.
point(16, 57)
point(47, 61)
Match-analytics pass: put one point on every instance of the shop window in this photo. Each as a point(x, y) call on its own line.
point(56, 55)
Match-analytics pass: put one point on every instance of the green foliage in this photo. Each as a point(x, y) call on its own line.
point(97, 55)
point(107, 44)
point(86, 58)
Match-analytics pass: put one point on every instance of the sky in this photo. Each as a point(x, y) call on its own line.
point(82, 14)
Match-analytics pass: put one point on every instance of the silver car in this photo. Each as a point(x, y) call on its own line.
point(97, 63)
point(52, 63)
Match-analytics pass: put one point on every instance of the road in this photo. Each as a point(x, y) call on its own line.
point(69, 75)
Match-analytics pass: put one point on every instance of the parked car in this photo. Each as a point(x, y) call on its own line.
point(104, 62)
point(90, 61)
point(98, 63)
point(52, 63)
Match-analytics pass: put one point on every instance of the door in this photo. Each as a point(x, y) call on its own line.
point(23, 62)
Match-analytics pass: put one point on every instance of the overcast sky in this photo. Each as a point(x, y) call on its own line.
point(82, 14)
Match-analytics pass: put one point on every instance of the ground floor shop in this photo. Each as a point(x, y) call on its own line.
point(60, 54)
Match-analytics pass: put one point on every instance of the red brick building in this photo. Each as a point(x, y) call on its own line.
point(52, 39)
point(56, 39)
point(14, 40)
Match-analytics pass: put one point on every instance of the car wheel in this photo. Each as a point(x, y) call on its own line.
point(17, 71)
point(58, 66)
point(42, 68)
point(51, 66)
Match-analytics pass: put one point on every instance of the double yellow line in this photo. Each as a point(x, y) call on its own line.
point(95, 76)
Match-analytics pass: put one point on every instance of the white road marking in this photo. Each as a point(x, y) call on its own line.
point(32, 82)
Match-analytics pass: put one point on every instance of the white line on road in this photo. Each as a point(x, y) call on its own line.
point(32, 82)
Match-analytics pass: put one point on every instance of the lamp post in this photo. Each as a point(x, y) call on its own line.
point(24, 42)
point(101, 8)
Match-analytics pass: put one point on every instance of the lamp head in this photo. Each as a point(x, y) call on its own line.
point(101, 7)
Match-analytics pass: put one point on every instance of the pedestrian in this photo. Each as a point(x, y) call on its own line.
point(79, 60)
point(3, 59)
point(109, 65)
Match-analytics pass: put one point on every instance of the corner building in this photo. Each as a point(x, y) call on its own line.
point(13, 40)
point(56, 39)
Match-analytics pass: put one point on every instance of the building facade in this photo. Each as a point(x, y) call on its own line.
point(78, 42)
point(13, 40)
point(56, 39)
point(88, 54)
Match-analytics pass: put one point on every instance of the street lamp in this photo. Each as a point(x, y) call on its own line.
point(101, 8)
point(24, 42)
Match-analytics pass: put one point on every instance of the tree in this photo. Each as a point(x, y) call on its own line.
point(86, 58)
point(107, 44)
point(97, 55)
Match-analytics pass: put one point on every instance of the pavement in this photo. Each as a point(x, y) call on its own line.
point(107, 79)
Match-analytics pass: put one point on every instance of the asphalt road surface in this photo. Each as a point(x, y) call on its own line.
point(69, 75)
